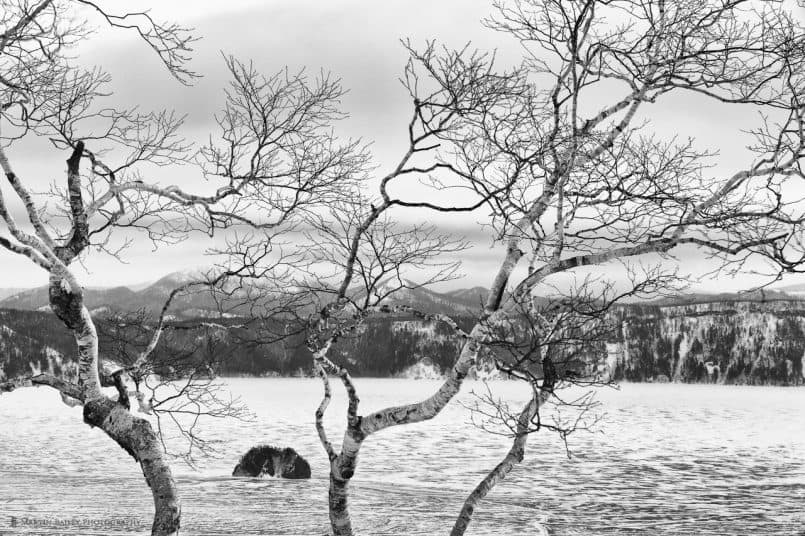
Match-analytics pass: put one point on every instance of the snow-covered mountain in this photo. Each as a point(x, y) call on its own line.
point(460, 303)
point(201, 303)
point(797, 290)
point(6, 292)
point(150, 298)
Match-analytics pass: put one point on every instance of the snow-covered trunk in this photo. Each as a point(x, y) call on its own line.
point(134, 434)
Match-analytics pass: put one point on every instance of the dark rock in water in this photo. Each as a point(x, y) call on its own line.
point(265, 459)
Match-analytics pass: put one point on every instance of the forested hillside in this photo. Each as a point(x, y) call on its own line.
point(750, 342)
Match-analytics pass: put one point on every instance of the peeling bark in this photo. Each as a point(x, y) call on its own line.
point(134, 434)
point(338, 497)
point(137, 437)
point(68, 305)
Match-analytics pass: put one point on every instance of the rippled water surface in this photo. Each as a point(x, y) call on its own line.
point(669, 460)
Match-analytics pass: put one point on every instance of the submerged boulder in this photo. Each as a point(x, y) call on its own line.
point(265, 459)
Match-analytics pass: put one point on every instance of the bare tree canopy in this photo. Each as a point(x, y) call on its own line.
point(559, 153)
point(272, 157)
point(587, 202)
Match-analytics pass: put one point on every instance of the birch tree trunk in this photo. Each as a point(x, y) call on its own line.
point(496, 475)
point(342, 469)
point(339, 505)
point(134, 434)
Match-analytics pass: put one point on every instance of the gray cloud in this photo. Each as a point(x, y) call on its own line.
point(356, 40)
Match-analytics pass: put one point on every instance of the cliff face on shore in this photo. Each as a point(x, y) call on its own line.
point(733, 342)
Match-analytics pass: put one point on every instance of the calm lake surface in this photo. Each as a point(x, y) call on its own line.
point(668, 460)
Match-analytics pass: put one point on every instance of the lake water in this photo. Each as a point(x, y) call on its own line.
point(669, 460)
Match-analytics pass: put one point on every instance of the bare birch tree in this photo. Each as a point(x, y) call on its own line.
point(602, 190)
point(577, 187)
point(273, 156)
point(174, 376)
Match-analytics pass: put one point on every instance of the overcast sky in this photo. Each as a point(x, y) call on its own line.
point(357, 40)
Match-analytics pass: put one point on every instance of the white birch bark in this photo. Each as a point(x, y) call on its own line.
point(495, 476)
point(134, 434)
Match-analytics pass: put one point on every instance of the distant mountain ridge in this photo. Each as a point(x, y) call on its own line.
point(149, 297)
point(6, 292)
point(460, 302)
point(756, 338)
point(726, 297)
